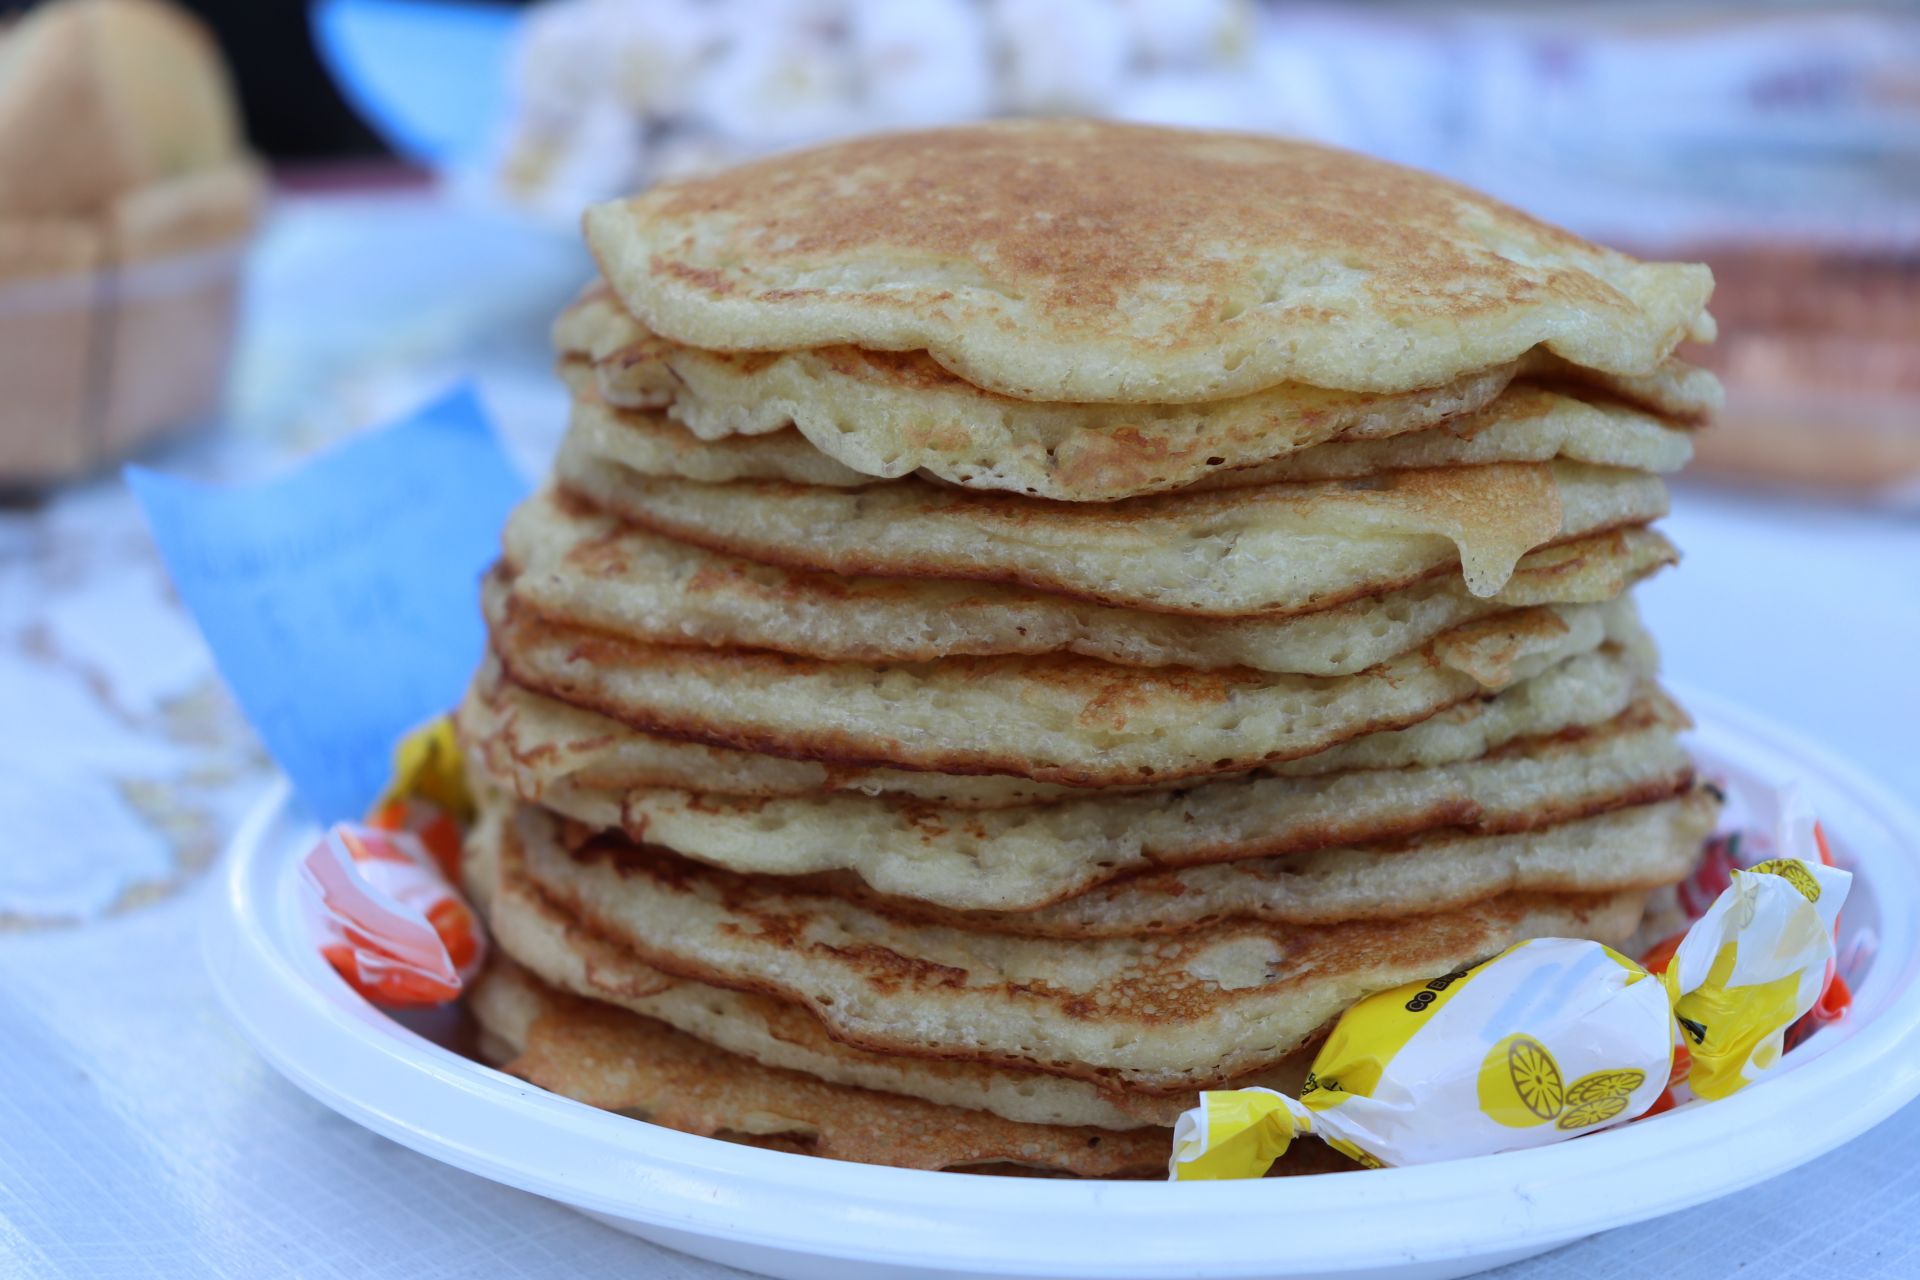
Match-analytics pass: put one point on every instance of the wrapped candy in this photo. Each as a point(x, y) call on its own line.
point(428, 793)
point(380, 896)
point(1548, 1040)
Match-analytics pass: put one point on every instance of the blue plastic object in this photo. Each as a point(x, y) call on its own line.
point(430, 78)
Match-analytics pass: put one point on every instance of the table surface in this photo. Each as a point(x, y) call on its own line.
point(138, 1133)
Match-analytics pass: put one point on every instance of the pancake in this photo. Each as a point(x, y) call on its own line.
point(652, 444)
point(889, 414)
point(1677, 391)
point(1030, 621)
point(539, 742)
point(882, 404)
point(532, 744)
point(610, 1058)
point(1055, 719)
point(777, 1033)
point(1565, 699)
point(1277, 549)
point(892, 413)
point(1527, 424)
point(1079, 260)
point(1160, 1014)
point(572, 561)
point(1641, 846)
point(1023, 857)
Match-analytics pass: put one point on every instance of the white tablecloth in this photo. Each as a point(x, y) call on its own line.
point(139, 1135)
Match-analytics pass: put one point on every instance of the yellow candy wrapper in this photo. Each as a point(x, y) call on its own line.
point(427, 794)
point(1548, 1040)
point(428, 765)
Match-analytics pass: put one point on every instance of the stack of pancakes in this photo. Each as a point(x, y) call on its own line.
point(1030, 622)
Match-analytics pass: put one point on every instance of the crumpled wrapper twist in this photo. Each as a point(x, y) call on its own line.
point(379, 895)
point(1548, 1040)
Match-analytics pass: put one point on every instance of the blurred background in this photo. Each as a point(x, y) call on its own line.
point(233, 231)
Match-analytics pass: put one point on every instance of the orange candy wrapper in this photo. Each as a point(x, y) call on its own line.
point(384, 908)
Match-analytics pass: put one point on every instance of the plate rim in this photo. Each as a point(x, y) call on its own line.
point(296, 1013)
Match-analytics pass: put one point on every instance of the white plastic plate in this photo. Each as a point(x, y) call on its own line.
point(802, 1217)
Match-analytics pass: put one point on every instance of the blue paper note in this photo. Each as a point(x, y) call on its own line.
point(341, 602)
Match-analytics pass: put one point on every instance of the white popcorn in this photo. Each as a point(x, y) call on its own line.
point(683, 153)
point(1299, 95)
point(1189, 32)
point(598, 155)
point(562, 60)
point(1061, 56)
point(659, 48)
point(1199, 100)
point(922, 62)
point(782, 78)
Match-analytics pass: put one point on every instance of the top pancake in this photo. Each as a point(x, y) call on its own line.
point(1077, 260)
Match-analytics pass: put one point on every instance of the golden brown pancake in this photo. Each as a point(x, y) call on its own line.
point(653, 444)
point(889, 414)
point(1031, 621)
point(885, 394)
point(1159, 1014)
point(1527, 424)
point(572, 560)
point(610, 1058)
point(1641, 846)
point(567, 955)
point(1020, 858)
point(1077, 260)
point(1276, 549)
point(1055, 719)
point(534, 744)
point(887, 400)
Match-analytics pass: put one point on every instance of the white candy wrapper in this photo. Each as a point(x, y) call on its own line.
point(1548, 1040)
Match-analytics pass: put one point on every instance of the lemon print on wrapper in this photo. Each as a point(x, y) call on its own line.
point(1521, 1086)
point(1794, 872)
point(1599, 1097)
point(1520, 1083)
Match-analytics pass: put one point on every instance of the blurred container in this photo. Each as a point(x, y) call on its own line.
point(51, 326)
point(113, 334)
point(1820, 352)
point(126, 204)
